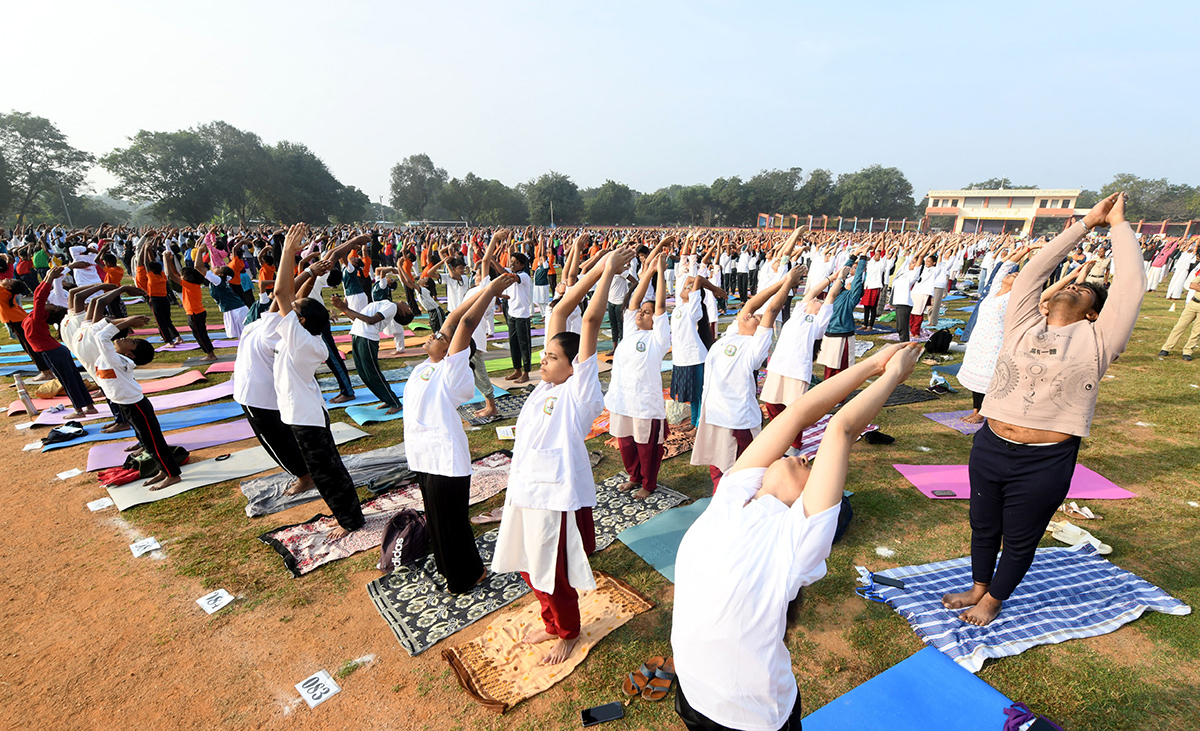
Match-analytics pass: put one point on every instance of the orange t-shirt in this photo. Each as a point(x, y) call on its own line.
point(157, 283)
point(237, 265)
point(193, 297)
point(266, 273)
point(113, 275)
point(10, 312)
point(141, 279)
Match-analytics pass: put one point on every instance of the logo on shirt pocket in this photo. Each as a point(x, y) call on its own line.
point(548, 407)
point(427, 373)
point(731, 350)
point(808, 318)
point(641, 347)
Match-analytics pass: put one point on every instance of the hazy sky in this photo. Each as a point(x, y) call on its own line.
point(647, 93)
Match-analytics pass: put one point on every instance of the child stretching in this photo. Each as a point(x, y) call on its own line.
point(368, 324)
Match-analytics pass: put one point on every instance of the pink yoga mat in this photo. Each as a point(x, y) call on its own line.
point(225, 367)
point(1085, 484)
point(154, 330)
point(158, 385)
point(195, 346)
point(161, 402)
point(113, 454)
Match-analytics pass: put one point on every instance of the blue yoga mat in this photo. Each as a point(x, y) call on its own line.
point(657, 540)
point(11, 369)
point(947, 370)
point(22, 358)
point(363, 396)
point(206, 414)
point(926, 691)
point(11, 348)
point(371, 414)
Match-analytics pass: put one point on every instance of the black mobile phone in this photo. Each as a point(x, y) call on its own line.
point(886, 581)
point(943, 493)
point(600, 714)
point(1041, 724)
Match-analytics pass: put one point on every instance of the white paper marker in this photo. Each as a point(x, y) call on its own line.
point(26, 425)
point(32, 446)
point(506, 432)
point(317, 688)
point(69, 474)
point(214, 601)
point(144, 546)
point(101, 504)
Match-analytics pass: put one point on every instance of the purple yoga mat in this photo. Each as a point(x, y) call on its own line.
point(954, 420)
point(161, 402)
point(1085, 484)
point(113, 454)
point(195, 346)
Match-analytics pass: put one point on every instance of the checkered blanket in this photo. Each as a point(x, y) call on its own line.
point(1068, 593)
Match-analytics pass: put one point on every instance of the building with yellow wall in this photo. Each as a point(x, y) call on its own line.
point(1000, 211)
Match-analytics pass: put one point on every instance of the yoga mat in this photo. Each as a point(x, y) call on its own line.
point(1085, 484)
point(950, 369)
point(902, 394)
point(196, 346)
point(11, 369)
point(499, 674)
point(22, 358)
point(206, 414)
point(363, 396)
point(393, 375)
point(499, 365)
point(186, 378)
point(895, 337)
point(154, 330)
point(372, 415)
point(104, 456)
point(212, 471)
point(954, 420)
point(161, 402)
point(509, 405)
point(383, 467)
point(304, 548)
point(221, 367)
point(11, 348)
point(414, 602)
point(197, 361)
point(926, 691)
point(1068, 593)
point(968, 308)
point(151, 374)
point(657, 540)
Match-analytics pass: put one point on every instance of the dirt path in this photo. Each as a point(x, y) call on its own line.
point(94, 637)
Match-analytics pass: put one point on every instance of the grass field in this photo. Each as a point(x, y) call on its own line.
point(1144, 676)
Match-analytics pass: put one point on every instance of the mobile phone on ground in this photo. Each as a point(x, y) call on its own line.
point(886, 581)
point(600, 714)
point(1042, 724)
point(943, 493)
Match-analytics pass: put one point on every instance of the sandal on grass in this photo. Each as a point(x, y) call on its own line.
point(635, 682)
point(492, 516)
point(1073, 510)
point(1073, 535)
point(660, 684)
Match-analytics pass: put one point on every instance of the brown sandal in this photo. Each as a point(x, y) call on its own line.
point(636, 683)
point(660, 684)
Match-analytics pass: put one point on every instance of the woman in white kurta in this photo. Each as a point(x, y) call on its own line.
point(547, 530)
point(790, 369)
point(436, 445)
point(637, 412)
point(1179, 279)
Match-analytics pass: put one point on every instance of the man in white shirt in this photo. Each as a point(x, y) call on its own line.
point(365, 329)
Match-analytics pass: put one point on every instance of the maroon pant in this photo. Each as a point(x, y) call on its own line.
point(774, 410)
point(560, 610)
point(914, 325)
point(643, 460)
point(743, 437)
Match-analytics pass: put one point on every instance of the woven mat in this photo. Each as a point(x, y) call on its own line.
point(676, 444)
point(415, 604)
point(903, 394)
point(498, 673)
point(509, 407)
point(375, 470)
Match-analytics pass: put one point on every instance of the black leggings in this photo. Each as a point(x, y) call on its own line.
point(450, 536)
point(869, 312)
point(1015, 489)
point(903, 312)
point(145, 424)
point(366, 363)
point(697, 721)
point(977, 400)
point(161, 307)
point(277, 439)
point(519, 344)
point(333, 480)
point(199, 325)
point(18, 333)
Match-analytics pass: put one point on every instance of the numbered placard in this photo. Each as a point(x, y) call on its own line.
point(69, 474)
point(506, 432)
point(215, 601)
point(101, 504)
point(32, 446)
point(144, 546)
point(317, 688)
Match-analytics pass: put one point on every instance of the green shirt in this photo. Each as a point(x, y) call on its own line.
point(41, 260)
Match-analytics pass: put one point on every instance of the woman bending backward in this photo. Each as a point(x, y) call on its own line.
point(547, 530)
point(437, 445)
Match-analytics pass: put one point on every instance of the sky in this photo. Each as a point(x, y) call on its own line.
point(1061, 95)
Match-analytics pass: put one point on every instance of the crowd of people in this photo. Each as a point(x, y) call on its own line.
point(1052, 316)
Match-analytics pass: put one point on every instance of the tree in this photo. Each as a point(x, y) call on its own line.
point(875, 192)
point(303, 189)
point(998, 184)
point(38, 159)
point(240, 175)
point(5, 187)
point(818, 196)
point(657, 209)
point(558, 190)
point(416, 182)
point(775, 191)
point(696, 202)
point(504, 206)
point(490, 202)
point(1087, 199)
point(1155, 200)
point(730, 202)
point(173, 170)
point(613, 204)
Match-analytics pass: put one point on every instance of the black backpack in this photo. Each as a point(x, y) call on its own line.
point(405, 540)
point(939, 342)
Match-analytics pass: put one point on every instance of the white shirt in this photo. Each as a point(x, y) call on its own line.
point(793, 354)
point(88, 274)
point(481, 330)
point(114, 372)
point(550, 467)
point(371, 332)
point(618, 288)
point(295, 369)
point(737, 568)
point(456, 291)
point(636, 386)
point(687, 349)
point(255, 359)
point(923, 287)
point(743, 262)
point(319, 284)
point(729, 399)
point(876, 268)
point(83, 345)
point(437, 444)
point(520, 294)
point(574, 322)
point(902, 286)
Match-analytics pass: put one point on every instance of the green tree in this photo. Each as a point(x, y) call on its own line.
point(353, 205)
point(476, 200)
point(38, 160)
point(696, 202)
point(1087, 199)
point(5, 187)
point(1155, 199)
point(171, 170)
point(818, 196)
point(730, 202)
point(998, 184)
point(612, 204)
point(657, 209)
point(775, 191)
point(303, 189)
point(558, 190)
point(504, 206)
point(241, 173)
point(875, 192)
point(416, 183)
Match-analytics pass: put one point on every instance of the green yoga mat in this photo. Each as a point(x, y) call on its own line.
point(657, 540)
point(499, 365)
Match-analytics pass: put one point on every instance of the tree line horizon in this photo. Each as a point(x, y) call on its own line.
point(217, 173)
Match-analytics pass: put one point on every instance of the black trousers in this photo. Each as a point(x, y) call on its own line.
point(977, 400)
point(366, 362)
point(161, 307)
point(616, 322)
point(63, 367)
point(333, 480)
point(519, 344)
point(450, 536)
point(437, 318)
point(1015, 489)
point(697, 721)
point(116, 309)
point(335, 364)
point(903, 312)
point(277, 438)
point(199, 325)
point(144, 421)
point(753, 281)
point(18, 333)
point(743, 284)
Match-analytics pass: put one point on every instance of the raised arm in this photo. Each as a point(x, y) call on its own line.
point(1120, 313)
point(660, 289)
point(285, 275)
point(98, 306)
point(647, 275)
point(616, 262)
point(79, 295)
point(461, 323)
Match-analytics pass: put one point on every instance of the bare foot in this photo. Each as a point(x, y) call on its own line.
point(167, 482)
point(135, 449)
point(392, 410)
point(537, 637)
point(963, 599)
point(482, 578)
point(489, 410)
point(76, 414)
point(627, 486)
point(209, 356)
point(512, 376)
point(116, 426)
point(641, 494)
point(158, 477)
point(974, 418)
point(523, 378)
point(341, 398)
point(984, 612)
point(300, 485)
point(337, 534)
point(559, 652)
